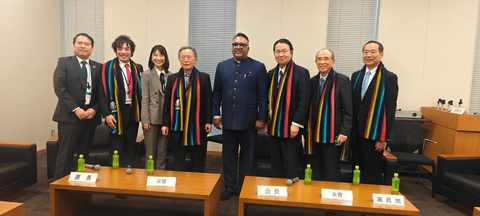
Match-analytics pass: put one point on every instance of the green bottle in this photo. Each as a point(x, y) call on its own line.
point(81, 163)
point(308, 175)
point(115, 157)
point(395, 184)
point(356, 175)
point(150, 165)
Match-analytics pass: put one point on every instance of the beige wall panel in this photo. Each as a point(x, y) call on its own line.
point(167, 25)
point(402, 29)
point(30, 33)
point(449, 51)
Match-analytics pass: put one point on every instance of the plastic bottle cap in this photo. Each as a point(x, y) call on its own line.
point(395, 175)
point(308, 165)
point(150, 157)
point(357, 167)
point(81, 156)
point(115, 152)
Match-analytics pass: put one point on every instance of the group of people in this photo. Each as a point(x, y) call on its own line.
point(284, 103)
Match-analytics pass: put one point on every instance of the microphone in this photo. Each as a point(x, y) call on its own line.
point(292, 181)
point(91, 166)
point(129, 170)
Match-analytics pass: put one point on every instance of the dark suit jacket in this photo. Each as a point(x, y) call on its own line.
point(300, 101)
point(205, 106)
point(360, 109)
point(343, 102)
point(241, 89)
point(69, 86)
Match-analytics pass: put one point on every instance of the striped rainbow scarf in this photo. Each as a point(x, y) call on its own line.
point(185, 108)
point(376, 125)
point(321, 124)
point(279, 102)
point(111, 76)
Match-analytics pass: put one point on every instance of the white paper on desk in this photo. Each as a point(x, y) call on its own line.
point(388, 199)
point(337, 194)
point(83, 177)
point(161, 181)
point(272, 191)
point(457, 110)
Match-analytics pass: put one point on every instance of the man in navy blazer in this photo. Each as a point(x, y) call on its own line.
point(76, 82)
point(240, 89)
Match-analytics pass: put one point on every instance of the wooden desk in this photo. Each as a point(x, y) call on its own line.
point(11, 209)
point(67, 198)
point(476, 211)
point(309, 196)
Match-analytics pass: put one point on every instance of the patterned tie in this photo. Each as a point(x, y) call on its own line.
point(162, 81)
point(85, 73)
point(280, 75)
point(129, 82)
point(322, 83)
point(365, 84)
point(187, 79)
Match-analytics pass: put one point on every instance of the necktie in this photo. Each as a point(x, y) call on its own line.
point(187, 79)
point(162, 81)
point(365, 84)
point(85, 73)
point(322, 83)
point(280, 75)
point(129, 81)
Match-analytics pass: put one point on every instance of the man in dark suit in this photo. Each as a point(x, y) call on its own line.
point(187, 111)
point(241, 88)
point(330, 119)
point(375, 92)
point(122, 90)
point(289, 101)
point(76, 82)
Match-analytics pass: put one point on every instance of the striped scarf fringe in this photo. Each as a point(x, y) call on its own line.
point(279, 102)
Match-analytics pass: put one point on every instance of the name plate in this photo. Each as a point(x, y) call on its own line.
point(161, 181)
point(83, 177)
point(387, 199)
point(272, 191)
point(457, 110)
point(337, 194)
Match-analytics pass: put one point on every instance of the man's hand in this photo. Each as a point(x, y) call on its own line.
point(165, 130)
point(81, 114)
point(294, 131)
point(90, 113)
point(259, 125)
point(341, 139)
point(379, 145)
point(111, 122)
point(218, 123)
point(146, 127)
point(208, 128)
point(265, 129)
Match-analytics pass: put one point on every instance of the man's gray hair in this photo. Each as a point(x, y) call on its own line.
point(185, 48)
point(333, 55)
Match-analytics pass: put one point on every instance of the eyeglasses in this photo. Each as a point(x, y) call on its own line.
point(241, 45)
point(285, 51)
point(186, 57)
point(323, 59)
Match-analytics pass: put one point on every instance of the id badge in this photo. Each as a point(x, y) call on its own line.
point(88, 96)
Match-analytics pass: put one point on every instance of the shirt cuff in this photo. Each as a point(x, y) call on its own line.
point(299, 125)
point(75, 109)
point(217, 117)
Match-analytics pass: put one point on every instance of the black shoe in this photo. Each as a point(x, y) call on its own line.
point(226, 194)
point(330, 213)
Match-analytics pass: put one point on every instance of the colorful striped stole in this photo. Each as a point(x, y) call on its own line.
point(321, 124)
point(376, 125)
point(111, 77)
point(279, 102)
point(185, 108)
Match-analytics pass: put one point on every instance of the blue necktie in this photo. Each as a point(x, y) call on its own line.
point(187, 80)
point(85, 73)
point(365, 84)
point(322, 83)
point(279, 78)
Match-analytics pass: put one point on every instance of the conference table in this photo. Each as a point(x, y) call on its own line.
point(309, 196)
point(68, 197)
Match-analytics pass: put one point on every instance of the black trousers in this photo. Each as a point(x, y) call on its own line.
point(125, 143)
point(73, 137)
point(325, 162)
point(248, 156)
point(368, 159)
point(198, 153)
point(285, 157)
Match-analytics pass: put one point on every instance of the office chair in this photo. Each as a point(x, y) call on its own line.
point(407, 144)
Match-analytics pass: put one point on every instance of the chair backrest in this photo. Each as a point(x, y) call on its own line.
point(100, 140)
point(406, 136)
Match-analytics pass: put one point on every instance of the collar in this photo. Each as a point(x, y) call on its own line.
point(122, 64)
point(372, 72)
point(159, 72)
point(80, 61)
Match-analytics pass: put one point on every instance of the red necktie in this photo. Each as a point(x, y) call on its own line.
point(129, 77)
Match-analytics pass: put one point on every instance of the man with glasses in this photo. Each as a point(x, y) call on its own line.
point(289, 101)
point(187, 111)
point(240, 90)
